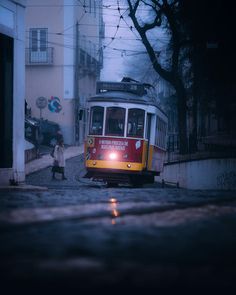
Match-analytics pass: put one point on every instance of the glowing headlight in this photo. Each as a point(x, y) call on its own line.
point(112, 156)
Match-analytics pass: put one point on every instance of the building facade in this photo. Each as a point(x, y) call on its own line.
point(12, 91)
point(63, 61)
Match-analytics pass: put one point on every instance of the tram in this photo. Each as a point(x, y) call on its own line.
point(126, 135)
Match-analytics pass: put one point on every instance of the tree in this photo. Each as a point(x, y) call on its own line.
point(165, 13)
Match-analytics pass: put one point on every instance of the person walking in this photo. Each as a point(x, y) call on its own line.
point(59, 160)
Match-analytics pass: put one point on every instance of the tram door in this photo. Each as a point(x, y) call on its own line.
point(148, 134)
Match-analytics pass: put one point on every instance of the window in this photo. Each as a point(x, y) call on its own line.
point(115, 121)
point(161, 129)
point(39, 52)
point(96, 120)
point(135, 123)
point(95, 8)
point(82, 57)
point(38, 39)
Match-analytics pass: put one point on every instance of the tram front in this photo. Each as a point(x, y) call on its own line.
point(115, 148)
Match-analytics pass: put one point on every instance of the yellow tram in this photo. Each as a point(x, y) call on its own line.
point(126, 134)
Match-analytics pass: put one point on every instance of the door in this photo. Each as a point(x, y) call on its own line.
point(148, 134)
point(6, 101)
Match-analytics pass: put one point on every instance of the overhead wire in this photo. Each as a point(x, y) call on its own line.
point(108, 7)
point(113, 38)
point(130, 27)
point(73, 47)
point(96, 36)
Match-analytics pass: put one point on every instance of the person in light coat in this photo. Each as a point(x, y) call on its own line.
point(58, 160)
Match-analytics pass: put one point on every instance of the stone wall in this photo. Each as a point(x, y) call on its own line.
point(202, 174)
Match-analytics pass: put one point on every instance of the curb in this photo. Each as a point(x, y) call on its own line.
point(23, 187)
point(42, 163)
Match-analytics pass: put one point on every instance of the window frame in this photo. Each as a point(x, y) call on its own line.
point(91, 120)
point(110, 117)
point(38, 44)
point(161, 132)
point(136, 135)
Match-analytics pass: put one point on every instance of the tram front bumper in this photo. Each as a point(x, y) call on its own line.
point(114, 165)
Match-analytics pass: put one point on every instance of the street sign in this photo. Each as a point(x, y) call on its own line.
point(41, 102)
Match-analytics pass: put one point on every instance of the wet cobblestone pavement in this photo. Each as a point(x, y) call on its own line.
point(78, 234)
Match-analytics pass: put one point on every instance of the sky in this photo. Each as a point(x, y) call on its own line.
point(123, 50)
point(120, 41)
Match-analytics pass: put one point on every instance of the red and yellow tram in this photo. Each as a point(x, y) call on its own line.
point(126, 134)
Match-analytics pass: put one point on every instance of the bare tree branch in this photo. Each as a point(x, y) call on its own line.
point(175, 35)
point(163, 8)
point(142, 31)
point(157, 3)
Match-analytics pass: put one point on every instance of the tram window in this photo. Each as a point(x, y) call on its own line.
point(161, 127)
point(115, 121)
point(135, 123)
point(96, 120)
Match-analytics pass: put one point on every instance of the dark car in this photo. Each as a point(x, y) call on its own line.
point(32, 131)
point(50, 132)
point(40, 131)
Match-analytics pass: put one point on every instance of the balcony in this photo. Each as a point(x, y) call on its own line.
point(39, 57)
point(88, 64)
point(102, 30)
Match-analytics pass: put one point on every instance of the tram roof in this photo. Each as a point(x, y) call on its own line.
point(123, 97)
point(123, 92)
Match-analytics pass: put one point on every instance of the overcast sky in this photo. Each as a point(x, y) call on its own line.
point(120, 42)
point(123, 49)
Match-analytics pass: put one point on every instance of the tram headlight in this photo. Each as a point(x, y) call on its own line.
point(113, 156)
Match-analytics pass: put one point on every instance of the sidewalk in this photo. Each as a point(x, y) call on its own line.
point(43, 162)
point(46, 160)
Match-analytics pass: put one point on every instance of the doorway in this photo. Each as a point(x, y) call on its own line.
point(148, 134)
point(6, 101)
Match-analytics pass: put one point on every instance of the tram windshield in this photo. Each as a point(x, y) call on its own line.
point(96, 120)
point(135, 123)
point(115, 121)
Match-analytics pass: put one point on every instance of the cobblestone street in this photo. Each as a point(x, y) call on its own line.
point(82, 234)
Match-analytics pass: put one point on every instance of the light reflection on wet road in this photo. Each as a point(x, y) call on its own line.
point(157, 213)
point(77, 233)
point(118, 236)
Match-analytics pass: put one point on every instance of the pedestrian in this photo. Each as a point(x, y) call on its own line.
point(59, 160)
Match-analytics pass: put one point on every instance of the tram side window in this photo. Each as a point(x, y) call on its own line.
point(96, 120)
point(161, 128)
point(115, 121)
point(135, 123)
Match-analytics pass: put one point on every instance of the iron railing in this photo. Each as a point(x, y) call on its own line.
point(39, 57)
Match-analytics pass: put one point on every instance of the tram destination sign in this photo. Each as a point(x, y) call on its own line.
point(136, 88)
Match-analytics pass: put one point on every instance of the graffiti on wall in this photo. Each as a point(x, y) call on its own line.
point(227, 180)
point(54, 104)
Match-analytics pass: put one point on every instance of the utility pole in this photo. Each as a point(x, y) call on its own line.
point(76, 85)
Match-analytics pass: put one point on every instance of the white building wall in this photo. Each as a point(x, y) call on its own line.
point(12, 23)
point(19, 97)
point(47, 80)
point(68, 129)
point(58, 79)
